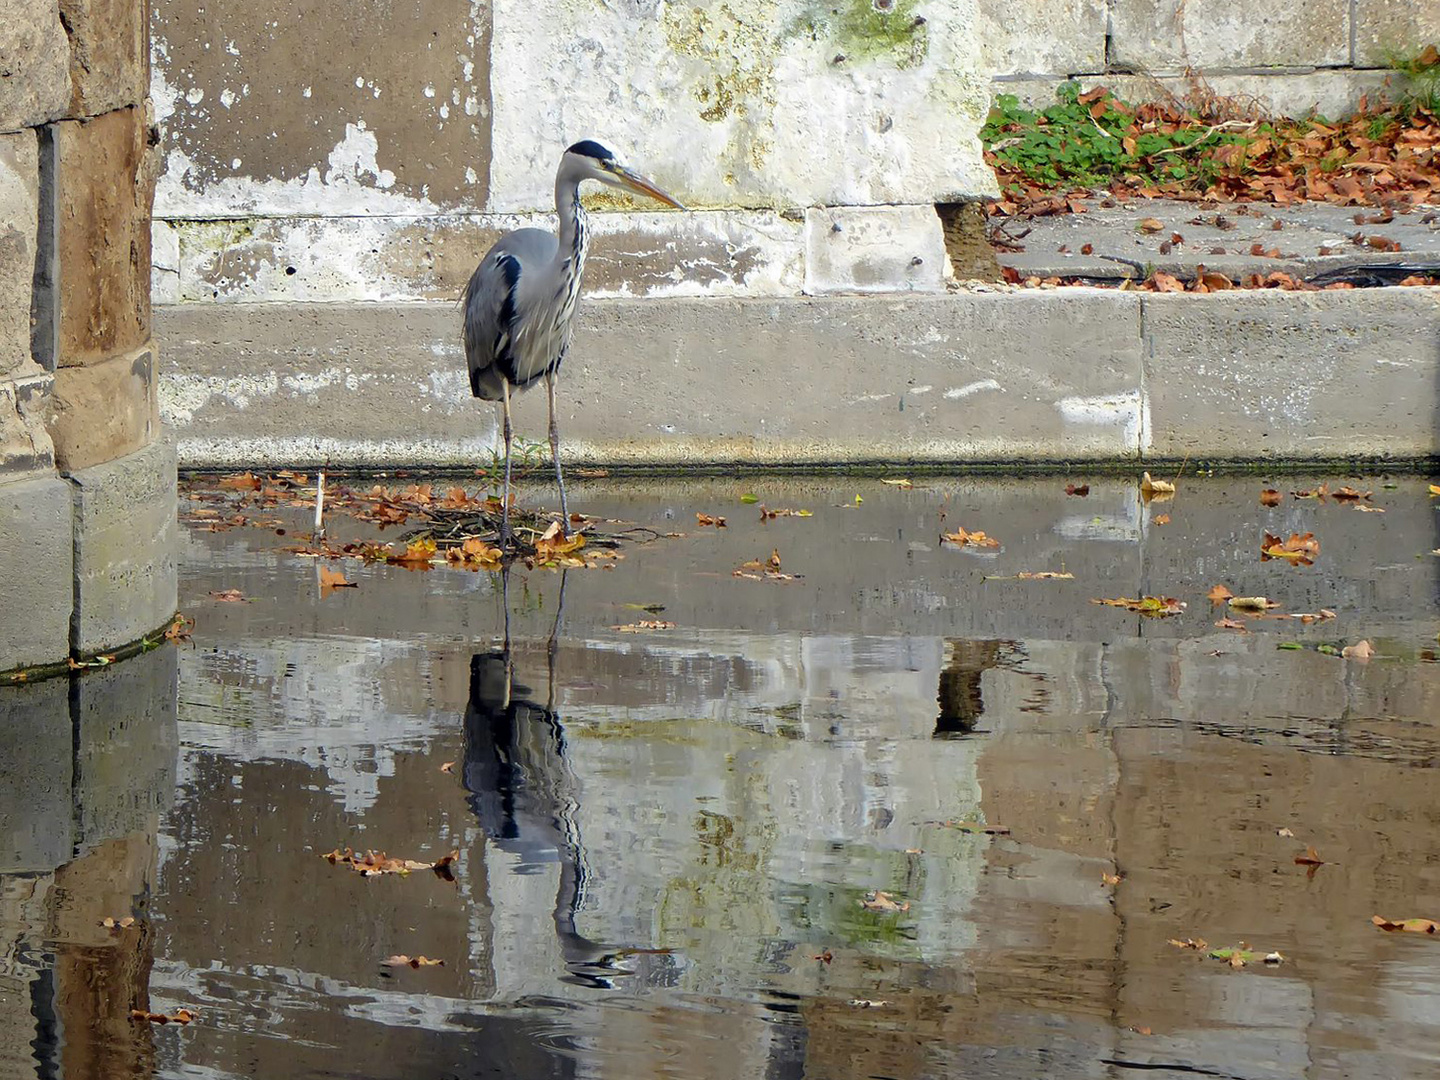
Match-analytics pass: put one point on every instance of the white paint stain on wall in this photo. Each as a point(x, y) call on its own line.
point(1124, 416)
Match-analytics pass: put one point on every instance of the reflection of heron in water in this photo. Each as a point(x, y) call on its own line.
point(524, 793)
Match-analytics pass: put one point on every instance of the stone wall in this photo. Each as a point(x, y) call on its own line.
point(1284, 57)
point(78, 406)
point(813, 141)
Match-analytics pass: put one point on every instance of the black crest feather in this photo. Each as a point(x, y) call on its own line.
point(592, 149)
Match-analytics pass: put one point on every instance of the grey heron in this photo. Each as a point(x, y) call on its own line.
point(520, 302)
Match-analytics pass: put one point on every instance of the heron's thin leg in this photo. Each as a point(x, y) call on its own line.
point(555, 453)
point(505, 491)
point(553, 645)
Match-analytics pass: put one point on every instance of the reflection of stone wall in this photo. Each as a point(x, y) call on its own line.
point(77, 367)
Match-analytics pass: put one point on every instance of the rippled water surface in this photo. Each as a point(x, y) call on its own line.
point(667, 839)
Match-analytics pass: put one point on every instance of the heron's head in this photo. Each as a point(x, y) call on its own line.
point(588, 160)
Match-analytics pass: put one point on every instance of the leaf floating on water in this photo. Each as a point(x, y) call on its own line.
point(882, 901)
point(373, 863)
point(447, 767)
point(1252, 603)
point(768, 570)
point(553, 544)
point(1218, 594)
point(1233, 624)
point(179, 1016)
point(1151, 489)
point(1361, 650)
point(867, 1003)
point(1078, 490)
point(1152, 606)
point(333, 579)
point(179, 630)
point(1412, 926)
point(964, 538)
point(1044, 575)
point(644, 626)
point(1319, 493)
point(1309, 858)
point(1274, 958)
point(904, 485)
point(1369, 509)
point(1198, 944)
point(1270, 497)
point(703, 520)
point(230, 596)
point(1111, 879)
point(973, 827)
point(1301, 548)
point(245, 481)
point(113, 924)
point(1161, 519)
point(1284, 832)
point(418, 554)
point(412, 961)
point(825, 957)
point(1434, 490)
point(1236, 957)
point(1349, 494)
point(749, 498)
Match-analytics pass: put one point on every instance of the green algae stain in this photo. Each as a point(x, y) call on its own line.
point(869, 31)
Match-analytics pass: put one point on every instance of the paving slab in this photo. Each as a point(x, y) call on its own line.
point(1309, 239)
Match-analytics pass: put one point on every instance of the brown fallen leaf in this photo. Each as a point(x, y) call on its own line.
point(180, 629)
point(1349, 494)
point(1309, 858)
point(904, 485)
point(1079, 490)
point(1252, 603)
point(1189, 943)
point(1151, 225)
point(417, 554)
point(1155, 489)
point(1218, 594)
point(703, 520)
point(554, 544)
point(644, 626)
point(1284, 832)
point(1044, 575)
point(1322, 493)
point(1233, 624)
point(1270, 497)
point(1111, 879)
point(245, 481)
point(1369, 509)
point(230, 596)
point(1154, 606)
point(1301, 548)
point(179, 1016)
point(374, 863)
point(412, 961)
point(1361, 650)
point(882, 901)
point(1312, 616)
point(447, 767)
point(333, 579)
point(1161, 519)
point(113, 924)
point(825, 957)
point(1413, 926)
point(964, 538)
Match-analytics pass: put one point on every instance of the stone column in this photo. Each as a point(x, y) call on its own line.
point(87, 488)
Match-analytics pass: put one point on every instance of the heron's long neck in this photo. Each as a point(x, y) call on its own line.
point(574, 234)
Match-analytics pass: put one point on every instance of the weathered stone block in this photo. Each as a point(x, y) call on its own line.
point(126, 746)
point(1170, 36)
point(1294, 375)
point(25, 445)
point(35, 564)
point(753, 253)
point(109, 53)
point(1054, 37)
point(125, 539)
point(978, 376)
point(397, 118)
point(104, 410)
point(780, 104)
point(105, 186)
point(874, 249)
point(19, 210)
point(34, 64)
point(1388, 30)
point(1329, 93)
point(36, 761)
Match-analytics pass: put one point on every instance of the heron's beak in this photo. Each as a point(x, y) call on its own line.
point(637, 183)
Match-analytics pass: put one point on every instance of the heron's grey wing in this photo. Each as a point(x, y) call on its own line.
point(494, 313)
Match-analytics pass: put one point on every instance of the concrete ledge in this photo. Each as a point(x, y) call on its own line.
point(977, 376)
point(125, 542)
point(35, 564)
point(1003, 376)
point(1271, 375)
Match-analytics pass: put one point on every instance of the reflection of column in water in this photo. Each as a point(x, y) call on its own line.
point(960, 697)
point(526, 797)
